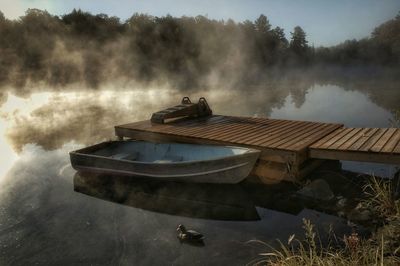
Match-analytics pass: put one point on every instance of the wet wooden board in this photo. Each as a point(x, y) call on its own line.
point(380, 145)
point(286, 135)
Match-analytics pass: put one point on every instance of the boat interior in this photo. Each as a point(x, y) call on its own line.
point(161, 152)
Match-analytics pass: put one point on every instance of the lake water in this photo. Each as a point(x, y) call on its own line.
point(49, 216)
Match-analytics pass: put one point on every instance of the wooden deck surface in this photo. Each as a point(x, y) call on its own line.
point(381, 145)
point(277, 134)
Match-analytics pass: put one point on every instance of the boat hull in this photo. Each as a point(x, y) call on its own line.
point(230, 169)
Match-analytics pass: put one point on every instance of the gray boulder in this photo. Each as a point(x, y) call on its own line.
point(318, 189)
point(360, 214)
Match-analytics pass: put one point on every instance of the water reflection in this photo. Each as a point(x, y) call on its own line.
point(206, 201)
point(52, 119)
point(333, 104)
point(9, 155)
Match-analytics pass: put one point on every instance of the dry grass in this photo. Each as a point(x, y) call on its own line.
point(381, 198)
point(354, 251)
point(383, 248)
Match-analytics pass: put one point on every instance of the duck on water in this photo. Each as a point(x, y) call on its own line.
point(188, 235)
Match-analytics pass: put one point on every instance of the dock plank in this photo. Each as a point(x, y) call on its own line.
point(391, 144)
point(377, 147)
point(397, 148)
point(353, 139)
point(350, 132)
point(262, 140)
point(268, 133)
point(266, 129)
point(288, 133)
point(373, 139)
point(307, 141)
point(262, 129)
point(193, 127)
point(210, 130)
point(328, 143)
point(326, 138)
point(287, 140)
point(364, 138)
point(240, 130)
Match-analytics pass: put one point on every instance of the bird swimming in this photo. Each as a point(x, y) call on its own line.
point(188, 235)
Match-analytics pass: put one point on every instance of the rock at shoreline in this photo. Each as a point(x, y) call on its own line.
point(359, 215)
point(318, 189)
point(341, 203)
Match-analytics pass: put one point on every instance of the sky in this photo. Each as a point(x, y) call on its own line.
point(326, 22)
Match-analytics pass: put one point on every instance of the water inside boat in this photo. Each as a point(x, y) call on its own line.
point(143, 151)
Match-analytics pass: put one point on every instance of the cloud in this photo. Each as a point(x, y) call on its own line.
point(15, 9)
point(12, 9)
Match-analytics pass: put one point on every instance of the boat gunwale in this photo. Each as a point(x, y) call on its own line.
point(97, 169)
point(247, 152)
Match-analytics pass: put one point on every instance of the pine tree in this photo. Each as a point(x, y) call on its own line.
point(262, 24)
point(298, 41)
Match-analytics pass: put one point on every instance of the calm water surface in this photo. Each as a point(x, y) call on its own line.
point(49, 215)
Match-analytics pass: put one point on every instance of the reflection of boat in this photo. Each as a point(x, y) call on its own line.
point(209, 201)
point(168, 161)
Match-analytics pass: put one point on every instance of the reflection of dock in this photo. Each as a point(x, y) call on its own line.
point(290, 149)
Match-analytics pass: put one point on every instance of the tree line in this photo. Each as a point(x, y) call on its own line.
point(185, 51)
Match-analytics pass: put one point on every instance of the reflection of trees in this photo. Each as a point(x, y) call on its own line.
point(381, 86)
point(395, 122)
point(299, 90)
point(88, 119)
point(383, 93)
point(84, 120)
point(299, 96)
point(3, 98)
point(53, 125)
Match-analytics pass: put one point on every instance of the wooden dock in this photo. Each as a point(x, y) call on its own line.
point(290, 149)
point(380, 145)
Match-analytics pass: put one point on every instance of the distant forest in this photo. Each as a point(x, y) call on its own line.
point(187, 51)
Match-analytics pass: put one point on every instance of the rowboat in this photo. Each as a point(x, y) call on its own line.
point(167, 161)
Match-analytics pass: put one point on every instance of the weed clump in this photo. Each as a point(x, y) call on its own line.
point(381, 248)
